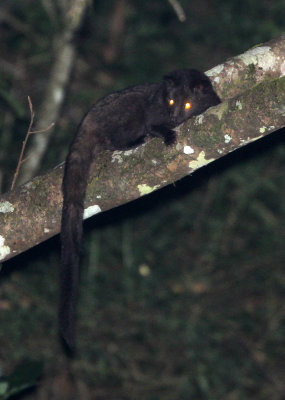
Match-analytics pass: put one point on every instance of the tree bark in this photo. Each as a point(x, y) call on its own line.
point(31, 213)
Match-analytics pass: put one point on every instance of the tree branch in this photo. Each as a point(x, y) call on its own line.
point(31, 213)
point(63, 56)
point(29, 133)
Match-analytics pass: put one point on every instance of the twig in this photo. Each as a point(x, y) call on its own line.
point(178, 10)
point(30, 132)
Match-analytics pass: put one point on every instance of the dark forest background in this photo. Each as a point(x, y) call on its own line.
point(182, 292)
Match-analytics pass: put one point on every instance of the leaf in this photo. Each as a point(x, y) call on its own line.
point(23, 377)
point(3, 388)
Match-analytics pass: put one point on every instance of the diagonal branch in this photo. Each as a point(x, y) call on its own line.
point(31, 213)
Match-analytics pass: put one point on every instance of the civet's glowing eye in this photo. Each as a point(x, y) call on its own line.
point(187, 106)
point(171, 102)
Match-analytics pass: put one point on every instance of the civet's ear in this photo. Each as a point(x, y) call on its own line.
point(173, 78)
point(203, 86)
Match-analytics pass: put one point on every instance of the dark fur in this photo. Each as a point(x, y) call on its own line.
point(116, 122)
